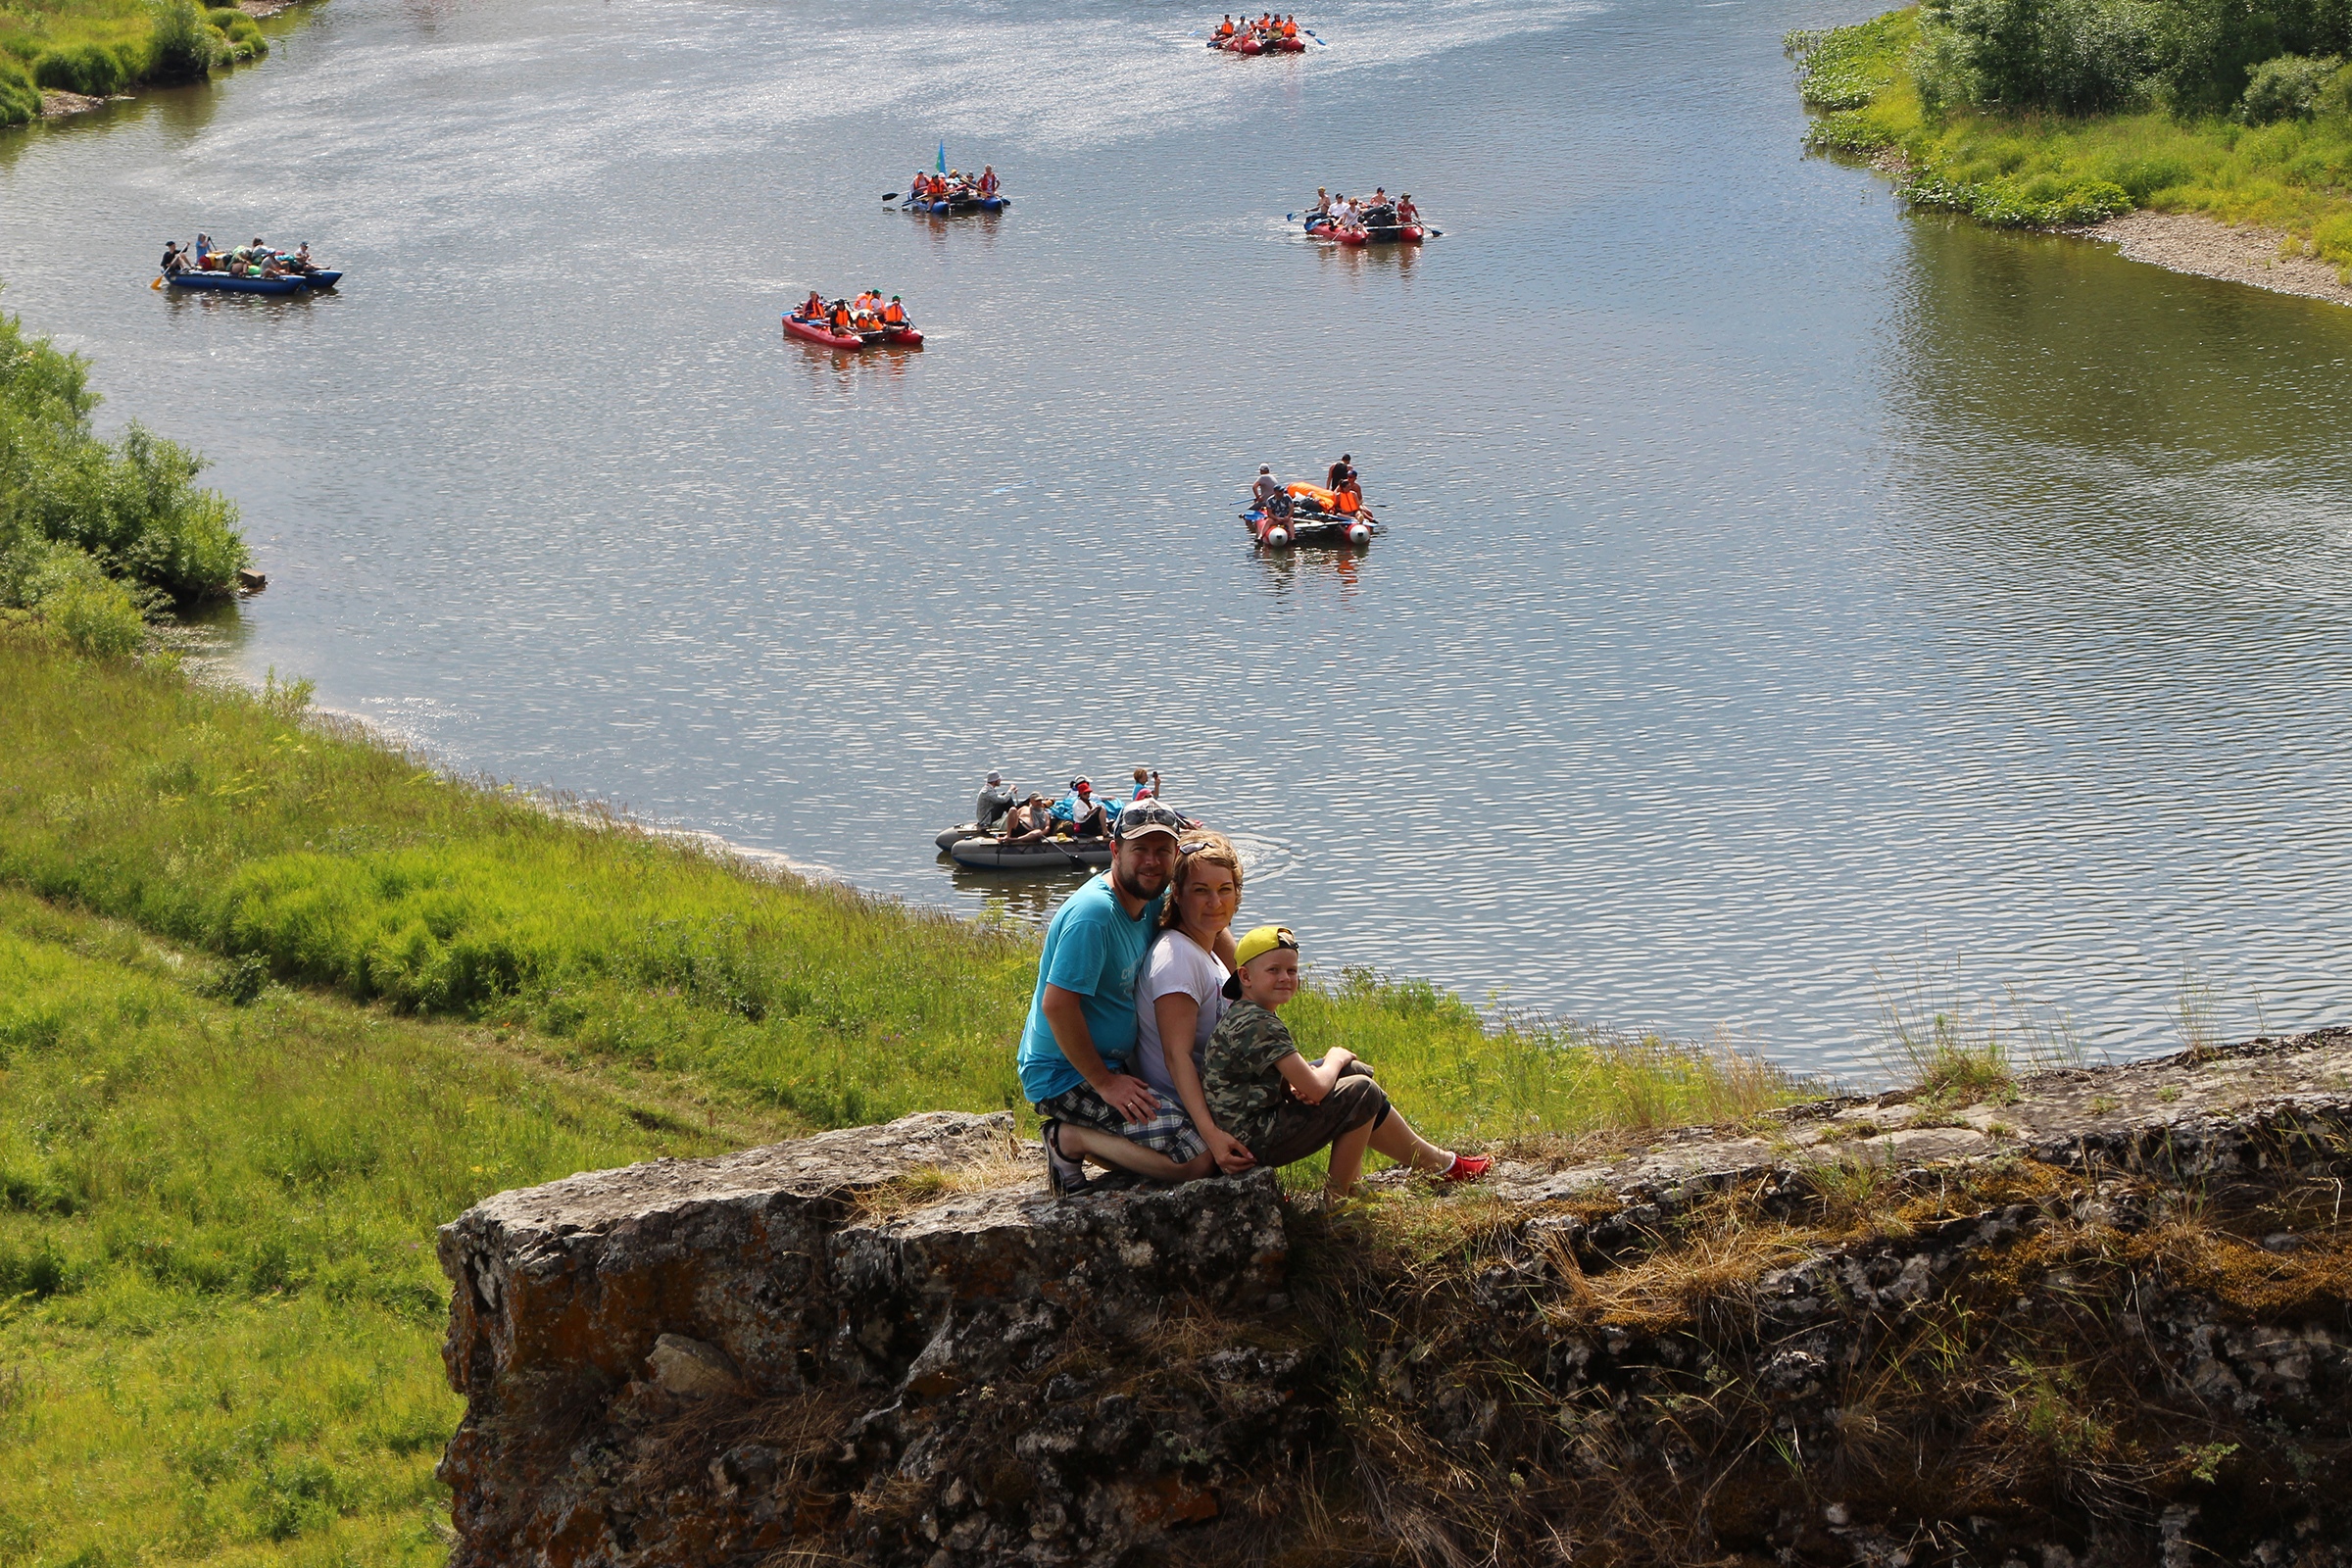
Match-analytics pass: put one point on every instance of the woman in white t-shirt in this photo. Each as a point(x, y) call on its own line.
point(1181, 993)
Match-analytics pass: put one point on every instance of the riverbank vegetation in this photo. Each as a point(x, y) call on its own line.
point(101, 47)
point(2052, 113)
point(96, 535)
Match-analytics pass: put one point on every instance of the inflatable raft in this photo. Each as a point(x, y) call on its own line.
point(808, 332)
point(1373, 233)
point(221, 282)
point(1311, 514)
point(1047, 855)
point(949, 206)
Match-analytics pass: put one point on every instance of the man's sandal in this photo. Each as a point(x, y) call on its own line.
point(1064, 1175)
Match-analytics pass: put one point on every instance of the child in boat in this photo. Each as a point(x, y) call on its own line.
point(1258, 1088)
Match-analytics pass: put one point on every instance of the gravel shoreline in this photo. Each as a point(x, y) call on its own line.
point(2190, 242)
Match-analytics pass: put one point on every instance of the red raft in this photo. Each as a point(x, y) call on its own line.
point(808, 332)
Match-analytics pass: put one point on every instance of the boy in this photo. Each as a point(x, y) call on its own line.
point(1282, 1107)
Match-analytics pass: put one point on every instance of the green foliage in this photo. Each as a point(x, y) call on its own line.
point(2076, 55)
point(2287, 88)
point(1844, 67)
point(181, 47)
point(75, 510)
point(89, 68)
point(2046, 200)
point(20, 99)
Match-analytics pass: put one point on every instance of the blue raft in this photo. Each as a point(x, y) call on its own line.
point(964, 204)
point(223, 284)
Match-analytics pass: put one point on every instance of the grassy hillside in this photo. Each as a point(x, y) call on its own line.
point(2277, 150)
point(219, 1313)
point(110, 46)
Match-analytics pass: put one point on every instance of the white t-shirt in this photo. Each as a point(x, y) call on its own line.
point(1176, 965)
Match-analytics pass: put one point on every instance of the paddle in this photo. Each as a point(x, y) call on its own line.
point(890, 196)
point(157, 283)
point(1318, 37)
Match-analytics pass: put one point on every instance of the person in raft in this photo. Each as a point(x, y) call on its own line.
point(1083, 809)
point(995, 803)
point(1182, 993)
point(1283, 1107)
point(1081, 1034)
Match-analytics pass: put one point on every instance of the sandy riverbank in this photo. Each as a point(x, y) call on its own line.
point(2190, 242)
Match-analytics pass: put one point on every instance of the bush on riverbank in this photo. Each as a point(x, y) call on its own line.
point(1978, 120)
point(89, 527)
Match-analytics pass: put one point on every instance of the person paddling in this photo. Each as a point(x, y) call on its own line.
point(894, 314)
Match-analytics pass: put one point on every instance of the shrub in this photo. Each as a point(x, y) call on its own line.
point(132, 505)
point(97, 617)
point(20, 99)
point(183, 48)
point(2287, 88)
point(85, 69)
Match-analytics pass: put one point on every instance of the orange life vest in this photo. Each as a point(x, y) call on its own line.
point(894, 314)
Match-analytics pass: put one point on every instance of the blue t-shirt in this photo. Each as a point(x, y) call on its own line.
point(1095, 950)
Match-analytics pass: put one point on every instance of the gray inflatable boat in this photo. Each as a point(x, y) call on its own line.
point(1049, 854)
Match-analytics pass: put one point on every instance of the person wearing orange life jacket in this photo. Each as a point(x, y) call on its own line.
point(1290, 25)
point(1225, 31)
point(813, 308)
point(894, 314)
point(988, 179)
point(840, 318)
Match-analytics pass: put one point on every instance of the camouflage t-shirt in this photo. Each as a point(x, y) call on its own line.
point(1240, 1074)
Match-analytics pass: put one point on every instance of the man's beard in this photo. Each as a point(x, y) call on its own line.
point(1134, 891)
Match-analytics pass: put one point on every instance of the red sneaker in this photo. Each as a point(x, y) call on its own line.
point(1466, 1168)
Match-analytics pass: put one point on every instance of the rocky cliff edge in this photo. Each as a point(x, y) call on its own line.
point(2096, 1316)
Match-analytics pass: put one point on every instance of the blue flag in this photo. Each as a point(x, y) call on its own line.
point(943, 154)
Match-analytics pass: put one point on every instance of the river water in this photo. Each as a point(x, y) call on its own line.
point(1786, 599)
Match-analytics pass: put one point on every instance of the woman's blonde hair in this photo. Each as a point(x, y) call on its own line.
point(1201, 847)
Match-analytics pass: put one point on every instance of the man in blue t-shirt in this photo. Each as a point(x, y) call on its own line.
point(1082, 1026)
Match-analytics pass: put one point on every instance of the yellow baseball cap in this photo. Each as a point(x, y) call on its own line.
point(1263, 938)
point(1256, 944)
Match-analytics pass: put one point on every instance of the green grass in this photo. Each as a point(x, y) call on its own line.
point(219, 1313)
point(2046, 169)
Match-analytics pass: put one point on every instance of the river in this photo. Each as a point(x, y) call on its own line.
point(1789, 601)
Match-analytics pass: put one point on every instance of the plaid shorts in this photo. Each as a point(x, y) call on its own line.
point(1167, 1131)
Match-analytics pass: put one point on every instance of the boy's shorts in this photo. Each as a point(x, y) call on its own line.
point(1167, 1131)
point(1355, 1101)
